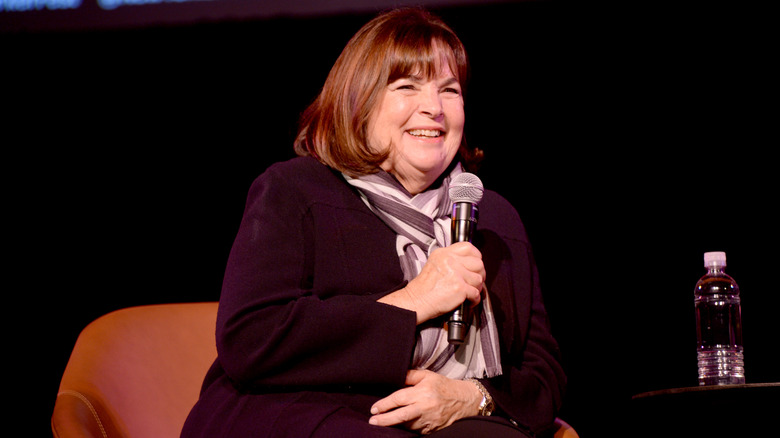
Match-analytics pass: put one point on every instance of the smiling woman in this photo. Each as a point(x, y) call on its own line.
point(391, 54)
point(419, 122)
point(333, 315)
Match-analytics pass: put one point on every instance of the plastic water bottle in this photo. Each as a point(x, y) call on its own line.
point(718, 325)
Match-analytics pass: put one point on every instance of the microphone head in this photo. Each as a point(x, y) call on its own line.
point(466, 187)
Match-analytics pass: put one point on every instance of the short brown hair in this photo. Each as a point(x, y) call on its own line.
point(395, 44)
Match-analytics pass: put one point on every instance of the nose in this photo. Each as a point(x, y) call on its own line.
point(430, 103)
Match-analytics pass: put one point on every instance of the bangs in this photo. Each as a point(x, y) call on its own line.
point(426, 55)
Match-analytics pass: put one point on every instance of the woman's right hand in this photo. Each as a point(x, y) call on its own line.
point(451, 276)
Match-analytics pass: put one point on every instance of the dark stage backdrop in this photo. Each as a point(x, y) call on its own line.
point(629, 141)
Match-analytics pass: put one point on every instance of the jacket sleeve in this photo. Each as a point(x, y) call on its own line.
point(275, 329)
point(530, 390)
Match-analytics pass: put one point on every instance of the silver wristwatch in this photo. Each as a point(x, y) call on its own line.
point(486, 407)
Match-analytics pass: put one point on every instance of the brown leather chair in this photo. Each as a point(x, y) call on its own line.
point(136, 372)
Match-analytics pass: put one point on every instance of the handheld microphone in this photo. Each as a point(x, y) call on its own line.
point(465, 191)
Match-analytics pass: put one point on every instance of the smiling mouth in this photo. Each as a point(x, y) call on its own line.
point(425, 133)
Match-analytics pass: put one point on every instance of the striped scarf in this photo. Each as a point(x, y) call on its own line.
point(422, 224)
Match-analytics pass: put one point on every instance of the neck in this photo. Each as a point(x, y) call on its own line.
point(418, 182)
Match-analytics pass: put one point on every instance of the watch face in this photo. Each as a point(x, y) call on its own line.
point(488, 409)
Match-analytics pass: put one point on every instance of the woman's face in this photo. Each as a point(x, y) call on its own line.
point(421, 121)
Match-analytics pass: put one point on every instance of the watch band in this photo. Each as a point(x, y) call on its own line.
point(486, 407)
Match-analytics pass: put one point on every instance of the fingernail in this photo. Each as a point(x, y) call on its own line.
point(372, 421)
point(374, 410)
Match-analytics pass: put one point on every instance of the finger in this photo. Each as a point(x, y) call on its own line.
point(396, 408)
point(406, 414)
point(393, 401)
point(465, 249)
point(475, 298)
point(474, 279)
point(473, 264)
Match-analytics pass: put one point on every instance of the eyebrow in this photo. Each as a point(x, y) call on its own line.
point(417, 78)
point(451, 80)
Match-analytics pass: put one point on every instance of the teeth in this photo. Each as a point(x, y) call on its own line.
point(425, 132)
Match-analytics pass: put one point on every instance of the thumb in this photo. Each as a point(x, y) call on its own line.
point(414, 377)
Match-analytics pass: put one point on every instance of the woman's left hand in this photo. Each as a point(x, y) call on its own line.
point(429, 403)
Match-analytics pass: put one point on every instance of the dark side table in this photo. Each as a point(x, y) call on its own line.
point(750, 410)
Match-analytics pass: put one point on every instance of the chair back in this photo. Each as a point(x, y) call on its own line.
point(136, 372)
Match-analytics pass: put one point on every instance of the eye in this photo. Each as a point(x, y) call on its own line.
point(451, 87)
point(407, 84)
point(452, 91)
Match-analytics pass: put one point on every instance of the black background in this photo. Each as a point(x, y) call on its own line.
point(630, 141)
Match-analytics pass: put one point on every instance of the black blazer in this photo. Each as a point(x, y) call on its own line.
point(300, 334)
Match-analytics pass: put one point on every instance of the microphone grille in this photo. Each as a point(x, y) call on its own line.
point(466, 187)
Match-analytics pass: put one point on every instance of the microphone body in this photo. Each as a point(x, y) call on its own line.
point(465, 192)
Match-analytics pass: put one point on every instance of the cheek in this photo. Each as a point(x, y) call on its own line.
point(456, 124)
point(378, 134)
point(386, 123)
point(457, 116)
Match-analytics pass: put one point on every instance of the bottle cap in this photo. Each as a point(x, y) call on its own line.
point(715, 258)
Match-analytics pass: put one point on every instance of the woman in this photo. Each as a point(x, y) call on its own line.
point(338, 285)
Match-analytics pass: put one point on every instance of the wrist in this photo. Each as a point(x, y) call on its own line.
point(406, 299)
point(486, 405)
